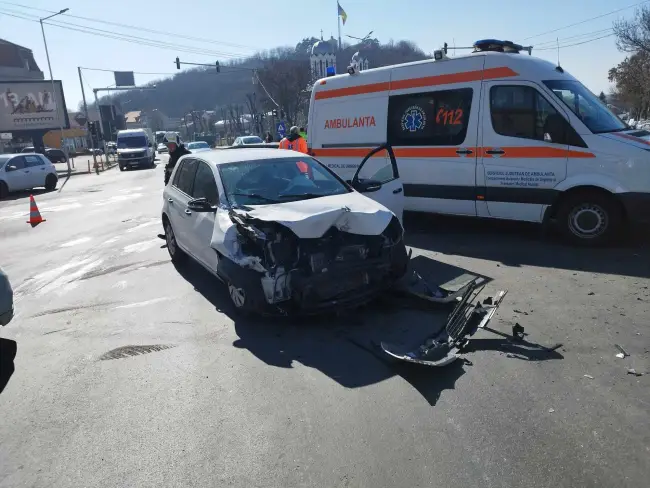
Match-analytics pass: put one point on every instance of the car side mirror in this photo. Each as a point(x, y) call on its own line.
point(200, 205)
point(366, 186)
point(11, 168)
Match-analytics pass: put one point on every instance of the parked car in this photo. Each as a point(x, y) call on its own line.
point(6, 300)
point(26, 171)
point(246, 140)
point(197, 146)
point(53, 154)
point(162, 148)
point(284, 232)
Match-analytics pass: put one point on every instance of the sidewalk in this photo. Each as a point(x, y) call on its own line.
point(84, 166)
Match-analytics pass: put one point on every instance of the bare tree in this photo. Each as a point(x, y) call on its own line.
point(286, 80)
point(236, 116)
point(631, 78)
point(253, 110)
point(633, 36)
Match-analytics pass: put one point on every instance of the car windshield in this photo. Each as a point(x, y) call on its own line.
point(252, 140)
point(198, 145)
point(586, 106)
point(131, 142)
point(278, 181)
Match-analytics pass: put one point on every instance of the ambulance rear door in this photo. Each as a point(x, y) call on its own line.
point(348, 119)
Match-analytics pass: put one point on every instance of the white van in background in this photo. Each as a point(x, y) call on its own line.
point(496, 133)
point(135, 149)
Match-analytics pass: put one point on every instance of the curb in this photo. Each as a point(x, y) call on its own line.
point(75, 172)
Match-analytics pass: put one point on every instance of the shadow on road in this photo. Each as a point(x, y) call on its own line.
point(24, 194)
point(8, 349)
point(344, 347)
point(520, 244)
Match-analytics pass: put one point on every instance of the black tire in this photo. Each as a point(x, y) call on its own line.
point(243, 287)
point(4, 189)
point(121, 168)
point(175, 253)
point(50, 182)
point(590, 218)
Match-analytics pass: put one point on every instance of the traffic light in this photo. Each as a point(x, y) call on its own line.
point(92, 128)
point(218, 67)
point(178, 63)
point(445, 48)
point(275, 112)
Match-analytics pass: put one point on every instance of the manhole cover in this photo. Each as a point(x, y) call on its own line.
point(127, 351)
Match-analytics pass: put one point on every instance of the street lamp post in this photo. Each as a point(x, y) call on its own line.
point(49, 66)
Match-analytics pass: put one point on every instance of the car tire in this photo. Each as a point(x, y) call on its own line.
point(590, 218)
point(175, 253)
point(50, 182)
point(121, 168)
point(4, 189)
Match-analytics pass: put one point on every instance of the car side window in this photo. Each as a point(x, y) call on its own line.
point(31, 161)
point(522, 111)
point(434, 118)
point(18, 162)
point(204, 184)
point(186, 176)
point(179, 167)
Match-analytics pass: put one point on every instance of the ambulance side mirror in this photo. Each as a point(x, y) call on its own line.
point(547, 137)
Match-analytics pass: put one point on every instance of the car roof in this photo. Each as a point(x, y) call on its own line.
point(224, 156)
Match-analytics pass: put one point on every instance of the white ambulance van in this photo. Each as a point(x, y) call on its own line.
point(496, 133)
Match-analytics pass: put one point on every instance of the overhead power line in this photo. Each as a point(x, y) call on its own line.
point(126, 37)
point(587, 20)
point(572, 38)
point(576, 43)
point(140, 29)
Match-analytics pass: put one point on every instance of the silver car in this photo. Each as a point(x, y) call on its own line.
point(6, 300)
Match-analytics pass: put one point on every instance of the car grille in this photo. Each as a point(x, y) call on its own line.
point(135, 155)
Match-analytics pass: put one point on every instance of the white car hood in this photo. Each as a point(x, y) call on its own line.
point(310, 219)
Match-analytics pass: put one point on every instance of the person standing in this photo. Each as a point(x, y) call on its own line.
point(294, 141)
point(176, 150)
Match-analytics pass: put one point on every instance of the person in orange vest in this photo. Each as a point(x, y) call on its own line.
point(294, 142)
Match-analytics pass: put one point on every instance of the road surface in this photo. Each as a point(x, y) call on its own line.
point(122, 370)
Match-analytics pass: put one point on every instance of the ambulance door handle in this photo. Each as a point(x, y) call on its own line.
point(495, 151)
point(398, 190)
point(464, 151)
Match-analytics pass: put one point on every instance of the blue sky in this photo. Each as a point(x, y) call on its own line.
point(235, 29)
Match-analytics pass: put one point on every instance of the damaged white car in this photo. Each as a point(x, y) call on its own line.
point(283, 231)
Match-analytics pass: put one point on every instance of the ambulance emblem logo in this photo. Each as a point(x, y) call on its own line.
point(414, 119)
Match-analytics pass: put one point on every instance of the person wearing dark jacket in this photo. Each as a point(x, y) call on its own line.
point(268, 138)
point(176, 150)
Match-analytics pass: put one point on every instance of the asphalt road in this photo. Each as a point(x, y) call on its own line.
point(121, 370)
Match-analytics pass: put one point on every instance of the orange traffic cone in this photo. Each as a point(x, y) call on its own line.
point(34, 215)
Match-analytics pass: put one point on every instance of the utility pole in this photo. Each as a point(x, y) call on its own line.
point(54, 101)
point(83, 95)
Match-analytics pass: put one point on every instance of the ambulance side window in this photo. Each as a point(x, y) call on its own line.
point(434, 118)
point(521, 111)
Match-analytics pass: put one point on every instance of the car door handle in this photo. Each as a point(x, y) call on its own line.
point(398, 190)
point(495, 151)
point(187, 212)
point(464, 151)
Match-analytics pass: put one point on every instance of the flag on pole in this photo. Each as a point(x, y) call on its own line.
point(342, 13)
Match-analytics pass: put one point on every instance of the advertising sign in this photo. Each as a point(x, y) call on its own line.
point(29, 105)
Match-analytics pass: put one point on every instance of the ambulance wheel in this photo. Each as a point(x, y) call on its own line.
point(590, 218)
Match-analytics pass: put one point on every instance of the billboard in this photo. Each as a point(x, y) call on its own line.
point(29, 105)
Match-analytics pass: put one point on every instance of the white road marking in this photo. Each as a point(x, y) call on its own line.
point(120, 285)
point(76, 242)
point(59, 208)
point(127, 190)
point(112, 240)
point(145, 303)
point(141, 246)
point(146, 224)
point(117, 198)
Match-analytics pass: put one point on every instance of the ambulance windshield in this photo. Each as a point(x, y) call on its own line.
point(587, 106)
